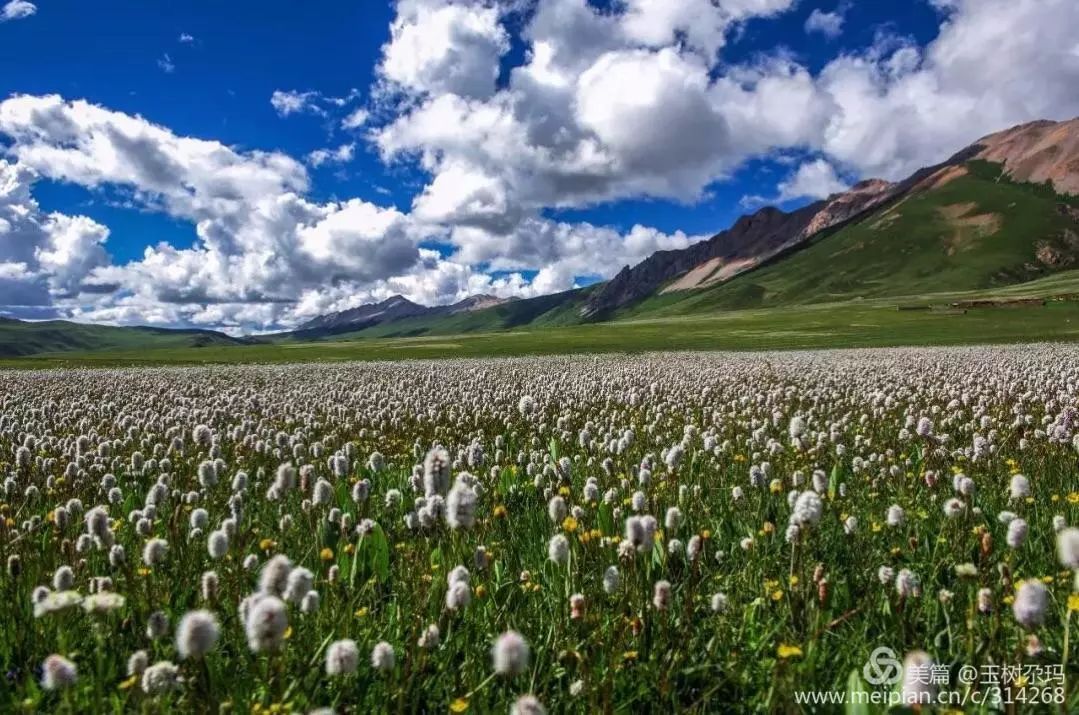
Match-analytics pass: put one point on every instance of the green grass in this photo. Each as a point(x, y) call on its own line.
point(865, 324)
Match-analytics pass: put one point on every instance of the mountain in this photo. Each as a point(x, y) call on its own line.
point(21, 337)
point(749, 242)
point(1003, 212)
point(392, 310)
point(1000, 212)
point(1040, 151)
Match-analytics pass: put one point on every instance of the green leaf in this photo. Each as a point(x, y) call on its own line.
point(357, 557)
point(857, 695)
point(379, 554)
point(659, 554)
point(833, 482)
point(605, 519)
point(553, 447)
point(506, 480)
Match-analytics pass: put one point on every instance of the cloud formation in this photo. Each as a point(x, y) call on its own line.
point(17, 10)
point(596, 106)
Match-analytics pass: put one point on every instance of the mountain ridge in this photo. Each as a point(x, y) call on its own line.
point(1000, 212)
point(392, 309)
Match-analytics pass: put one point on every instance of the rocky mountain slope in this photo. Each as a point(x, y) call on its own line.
point(1037, 152)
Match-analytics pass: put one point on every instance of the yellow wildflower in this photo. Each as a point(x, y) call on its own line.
point(785, 651)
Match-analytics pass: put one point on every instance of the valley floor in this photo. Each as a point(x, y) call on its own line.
point(849, 324)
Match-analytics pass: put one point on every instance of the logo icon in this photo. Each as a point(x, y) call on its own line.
point(882, 668)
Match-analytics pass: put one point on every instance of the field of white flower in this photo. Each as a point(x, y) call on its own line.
point(693, 532)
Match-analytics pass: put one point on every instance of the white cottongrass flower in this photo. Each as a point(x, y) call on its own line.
point(661, 595)
point(797, 427)
point(673, 519)
point(510, 654)
point(430, 637)
point(953, 508)
point(1019, 487)
point(558, 549)
point(342, 658)
point(196, 634)
point(556, 509)
point(527, 705)
point(694, 548)
point(382, 656)
point(526, 406)
point(200, 518)
point(436, 472)
point(103, 602)
point(917, 688)
point(461, 505)
point(57, 672)
point(807, 509)
point(299, 582)
point(985, 601)
point(161, 677)
point(266, 624)
point(458, 596)
point(1068, 548)
point(719, 602)
point(209, 583)
point(137, 663)
point(154, 551)
point(1031, 601)
point(612, 580)
point(458, 573)
point(322, 493)
point(896, 516)
point(217, 544)
point(1017, 533)
point(674, 457)
point(273, 579)
point(907, 584)
point(157, 625)
point(63, 578)
point(310, 602)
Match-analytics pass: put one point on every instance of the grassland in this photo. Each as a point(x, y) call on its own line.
point(853, 324)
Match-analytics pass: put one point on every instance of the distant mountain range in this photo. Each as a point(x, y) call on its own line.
point(1000, 212)
point(392, 309)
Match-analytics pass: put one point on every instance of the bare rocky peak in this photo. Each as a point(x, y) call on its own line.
point(1037, 152)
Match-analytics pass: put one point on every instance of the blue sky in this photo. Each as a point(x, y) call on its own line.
point(792, 109)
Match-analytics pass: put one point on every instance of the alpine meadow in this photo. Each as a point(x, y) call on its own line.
point(539, 357)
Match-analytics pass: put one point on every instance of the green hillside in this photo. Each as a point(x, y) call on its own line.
point(979, 231)
point(19, 338)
